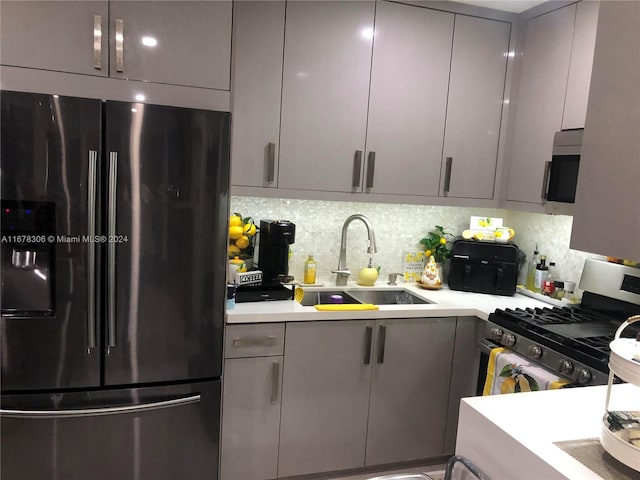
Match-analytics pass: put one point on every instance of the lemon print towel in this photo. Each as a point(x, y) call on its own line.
point(508, 372)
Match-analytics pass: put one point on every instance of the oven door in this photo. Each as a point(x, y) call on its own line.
point(484, 350)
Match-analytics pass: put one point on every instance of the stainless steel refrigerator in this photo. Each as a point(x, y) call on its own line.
point(114, 219)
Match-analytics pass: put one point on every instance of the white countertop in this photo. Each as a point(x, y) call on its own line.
point(511, 436)
point(445, 303)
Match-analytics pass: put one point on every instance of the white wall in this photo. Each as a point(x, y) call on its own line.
point(398, 228)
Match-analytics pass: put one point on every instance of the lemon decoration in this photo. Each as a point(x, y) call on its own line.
point(235, 232)
point(235, 221)
point(233, 250)
point(467, 234)
point(249, 229)
point(242, 242)
point(479, 236)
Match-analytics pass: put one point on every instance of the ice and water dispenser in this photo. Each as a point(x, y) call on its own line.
point(28, 258)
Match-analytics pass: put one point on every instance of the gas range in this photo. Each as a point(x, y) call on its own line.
point(574, 341)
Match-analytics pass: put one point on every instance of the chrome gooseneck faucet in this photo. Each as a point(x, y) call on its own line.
point(342, 271)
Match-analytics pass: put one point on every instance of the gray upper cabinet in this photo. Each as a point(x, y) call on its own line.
point(474, 109)
point(540, 102)
point(410, 72)
point(582, 47)
point(258, 44)
point(606, 219)
point(409, 389)
point(325, 93)
point(64, 36)
point(173, 42)
point(166, 42)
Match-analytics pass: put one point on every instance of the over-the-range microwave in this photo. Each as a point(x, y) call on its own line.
point(561, 172)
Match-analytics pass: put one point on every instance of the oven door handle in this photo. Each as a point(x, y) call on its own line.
point(485, 346)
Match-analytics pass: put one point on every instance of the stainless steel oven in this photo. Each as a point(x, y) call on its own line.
point(572, 342)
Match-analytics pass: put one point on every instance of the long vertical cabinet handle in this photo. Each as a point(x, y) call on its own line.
point(111, 252)
point(271, 163)
point(371, 168)
point(545, 179)
point(275, 382)
point(97, 42)
point(357, 170)
point(368, 337)
point(382, 337)
point(91, 251)
point(119, 45)
point(447, 175)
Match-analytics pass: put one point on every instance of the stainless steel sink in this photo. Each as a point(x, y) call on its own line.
point(387, 297)
point(325, 296)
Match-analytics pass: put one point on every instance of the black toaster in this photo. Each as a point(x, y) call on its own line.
point(484, 267)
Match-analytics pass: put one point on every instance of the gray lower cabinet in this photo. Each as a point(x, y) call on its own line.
point(325, 396)
point(359, 393)
point(409, 389)
point(251, 402)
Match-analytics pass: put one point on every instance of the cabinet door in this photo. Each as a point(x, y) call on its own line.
point(173, 42)
point(609, 166)
point(411, 59)
point(474, 110)
point(584, 39)
point(409, 389)
point(65, 36)
point(325, 92)
point(258, 43)
point(325, 396)
point(543, 81)
point(250, 418)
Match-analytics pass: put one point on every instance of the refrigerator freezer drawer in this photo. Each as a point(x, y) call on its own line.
point(155, 433)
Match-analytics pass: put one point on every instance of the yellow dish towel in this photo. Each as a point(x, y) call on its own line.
point(336, 307)
point(508, 372)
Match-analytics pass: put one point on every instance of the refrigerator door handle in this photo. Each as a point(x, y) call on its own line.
point(95, 412)
point(91, 251)
point(111, 252)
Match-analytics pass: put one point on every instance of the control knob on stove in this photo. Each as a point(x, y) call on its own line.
point(583, 376)
point(508, 340)
point(566, 367)
point(496, 334)
point(535, 351)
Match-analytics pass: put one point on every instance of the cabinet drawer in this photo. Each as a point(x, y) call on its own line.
point(255, 340)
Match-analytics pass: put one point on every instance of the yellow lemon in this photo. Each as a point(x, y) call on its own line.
point(467, 234)
point(235, 232)
point(479, 236)
point(233, 251)
point(249, 229)
point(235, 221)
point(427, 253)
point(443, 240)
point(508, 386)
point(242, 242)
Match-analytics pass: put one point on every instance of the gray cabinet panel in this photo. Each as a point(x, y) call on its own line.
point(325, 92)
point(474, 107)
point(55, 35)
point(250, 418)
point(174, 42)
point(543, 82)
point(325, 397)
point(408, 101)
point(258, 45)
point(409, 389)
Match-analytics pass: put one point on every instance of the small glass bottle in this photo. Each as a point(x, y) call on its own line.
point(531, 271)
point(541, 274)
point(548, 283)
point(310, 271)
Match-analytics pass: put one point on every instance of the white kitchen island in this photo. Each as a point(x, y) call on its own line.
point(515, 436)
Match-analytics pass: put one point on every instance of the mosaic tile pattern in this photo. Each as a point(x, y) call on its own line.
point(398, 227)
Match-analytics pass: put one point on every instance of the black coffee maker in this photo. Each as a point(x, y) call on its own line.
point(273, 254)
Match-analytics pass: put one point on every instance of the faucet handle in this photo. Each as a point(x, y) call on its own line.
point(342, 272)
point(392, 278)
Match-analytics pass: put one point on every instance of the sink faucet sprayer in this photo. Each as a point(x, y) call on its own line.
point(342, 271)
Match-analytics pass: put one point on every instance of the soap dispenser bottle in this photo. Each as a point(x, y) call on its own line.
point(310, 271)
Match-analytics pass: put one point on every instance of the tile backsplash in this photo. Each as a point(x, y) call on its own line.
point(400, 227)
